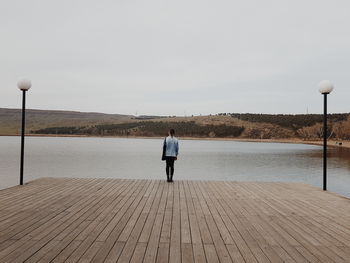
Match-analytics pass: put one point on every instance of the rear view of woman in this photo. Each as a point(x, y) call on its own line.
point(170, 152)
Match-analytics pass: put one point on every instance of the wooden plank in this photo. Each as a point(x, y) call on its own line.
point(210, 253)
point(153, 243)
point(136, 201)
point(41, 242)
point(199, 253)
point(132, 238)
point(109, 220)
point(175, 237)
point(219, 244)
point(202, 224)
point(139, 253)
point(114, 227)
point(255, 239)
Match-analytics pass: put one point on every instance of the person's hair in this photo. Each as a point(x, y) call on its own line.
point(172, 132)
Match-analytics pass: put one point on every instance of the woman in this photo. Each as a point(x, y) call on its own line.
point(170, 152)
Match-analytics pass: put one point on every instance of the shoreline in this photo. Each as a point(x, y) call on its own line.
point(331, 143)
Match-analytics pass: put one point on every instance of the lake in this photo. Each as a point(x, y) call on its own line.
point(198, 160)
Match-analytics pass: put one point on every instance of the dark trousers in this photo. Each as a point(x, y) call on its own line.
point(169, 167)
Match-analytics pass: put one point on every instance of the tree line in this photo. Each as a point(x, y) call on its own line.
point(291, 121)
point(147, 128)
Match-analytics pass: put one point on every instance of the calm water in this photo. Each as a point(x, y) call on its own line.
point(140, 158)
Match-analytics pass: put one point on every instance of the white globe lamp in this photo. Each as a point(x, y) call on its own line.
point(24, 84)
point(325, 87)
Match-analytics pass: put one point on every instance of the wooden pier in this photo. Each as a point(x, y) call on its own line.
point(112, 220)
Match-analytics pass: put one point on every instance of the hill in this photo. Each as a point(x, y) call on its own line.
point(10, 119)
point(222, 125)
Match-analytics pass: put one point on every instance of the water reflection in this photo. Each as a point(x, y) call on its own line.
point(337, 156)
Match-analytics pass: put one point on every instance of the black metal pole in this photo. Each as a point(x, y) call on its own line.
point(325, 142)
point(22, 136)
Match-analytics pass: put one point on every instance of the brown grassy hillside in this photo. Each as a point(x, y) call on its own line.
point(252, 130)
point(234, 125)
point(10, 119)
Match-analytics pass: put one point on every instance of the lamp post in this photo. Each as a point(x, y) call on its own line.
point(24, 86)
point(325, 88)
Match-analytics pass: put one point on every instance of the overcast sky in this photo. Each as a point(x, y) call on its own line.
point(175, 57)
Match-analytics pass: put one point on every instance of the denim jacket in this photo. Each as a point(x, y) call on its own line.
point(172, 147)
